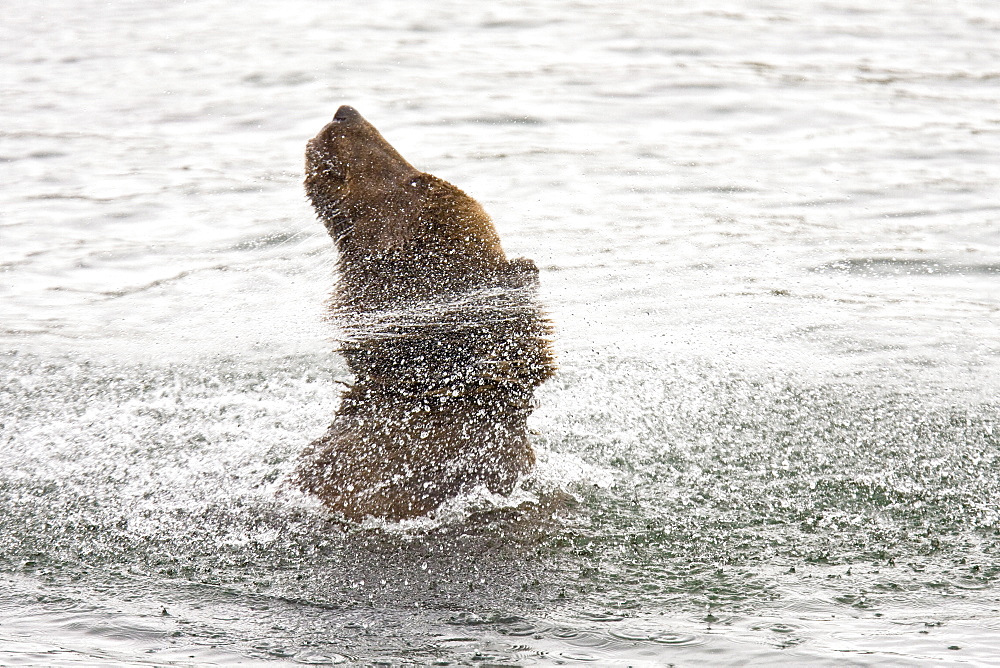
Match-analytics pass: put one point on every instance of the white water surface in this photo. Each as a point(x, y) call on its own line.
point(769, 239)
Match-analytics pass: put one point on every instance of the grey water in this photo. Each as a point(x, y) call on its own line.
point(769, 239)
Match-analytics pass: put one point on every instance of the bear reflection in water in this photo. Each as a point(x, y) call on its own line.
point(443, 334)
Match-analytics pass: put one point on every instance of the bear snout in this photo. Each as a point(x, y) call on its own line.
point(346, 113)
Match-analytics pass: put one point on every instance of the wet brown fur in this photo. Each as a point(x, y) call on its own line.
point(444, 335)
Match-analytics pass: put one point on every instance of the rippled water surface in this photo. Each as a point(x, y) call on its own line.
point(770, 244)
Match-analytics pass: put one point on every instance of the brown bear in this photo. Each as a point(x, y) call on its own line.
point(443, 334)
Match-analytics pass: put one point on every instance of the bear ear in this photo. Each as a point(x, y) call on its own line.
point(523, 265)
point(521, 271)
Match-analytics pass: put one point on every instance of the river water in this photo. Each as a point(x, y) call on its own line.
point(769, 240)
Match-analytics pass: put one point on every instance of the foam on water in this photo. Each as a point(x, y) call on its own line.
point(768, 242)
